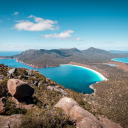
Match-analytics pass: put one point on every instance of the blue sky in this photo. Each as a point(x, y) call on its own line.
point(50, 24)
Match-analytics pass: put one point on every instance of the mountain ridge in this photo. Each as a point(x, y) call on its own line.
point(54, 57)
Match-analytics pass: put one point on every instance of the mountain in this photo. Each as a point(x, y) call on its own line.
point(96, 51)
point(55, 57)
point(46, 58)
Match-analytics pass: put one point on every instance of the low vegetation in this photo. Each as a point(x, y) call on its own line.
point(110, 99)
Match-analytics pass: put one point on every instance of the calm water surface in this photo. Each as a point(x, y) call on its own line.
point(73, 77)
point(124, 60)
point(9, 53)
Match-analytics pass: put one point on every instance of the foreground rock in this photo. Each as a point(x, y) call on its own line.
point(18, 103)
point(29, 72)
point(57, 89)
point(2, 105)
point(11, 71)
point(12, 121)
point(19, 89)
point(83, 118)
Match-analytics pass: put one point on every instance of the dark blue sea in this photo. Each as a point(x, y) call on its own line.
point(73, 77)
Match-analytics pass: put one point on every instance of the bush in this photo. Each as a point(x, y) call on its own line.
point(48, 119)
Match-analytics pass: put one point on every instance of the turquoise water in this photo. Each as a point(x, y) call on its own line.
point(73, 77)
point(77, 78)
point(124, 60)
point(112, 64)
point(70, 76)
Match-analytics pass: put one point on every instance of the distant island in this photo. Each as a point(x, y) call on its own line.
point(53, 58)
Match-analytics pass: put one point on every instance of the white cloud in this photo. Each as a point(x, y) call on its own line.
point(39, 24)
point(66, 35)
point(15, 13)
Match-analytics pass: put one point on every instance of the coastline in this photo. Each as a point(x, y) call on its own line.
point(71, 63)
point(84, 66)
point(33, 66)
point(119, 65)
point(88, 67)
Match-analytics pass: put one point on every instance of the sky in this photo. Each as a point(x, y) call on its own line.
point(53, 24)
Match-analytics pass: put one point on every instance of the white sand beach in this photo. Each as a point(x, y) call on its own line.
point(96, 72)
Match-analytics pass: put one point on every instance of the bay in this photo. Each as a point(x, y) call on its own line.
point(73, 77)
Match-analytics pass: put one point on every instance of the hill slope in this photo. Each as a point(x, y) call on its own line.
point(40, 110)
point(54, 57)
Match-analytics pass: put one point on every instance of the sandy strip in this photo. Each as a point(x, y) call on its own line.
point(119, 65)
point(96, 72)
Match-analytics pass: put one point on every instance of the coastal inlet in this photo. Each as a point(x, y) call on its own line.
point(70, 76)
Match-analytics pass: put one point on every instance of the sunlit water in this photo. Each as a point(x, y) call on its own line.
point(124, 60)
point(73, 77)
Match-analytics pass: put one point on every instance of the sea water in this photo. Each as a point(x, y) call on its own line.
point(73, 77)
point(9, 53)
point(124, 60)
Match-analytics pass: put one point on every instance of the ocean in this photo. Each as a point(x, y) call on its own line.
point(9, 53)
point(124, 60)
point(73, 77)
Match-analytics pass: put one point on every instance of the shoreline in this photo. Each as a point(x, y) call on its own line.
point(119, 65)
point(96, 72)
point(84, 66)
point(103, 78)
point(33, 66)
point(71, 63)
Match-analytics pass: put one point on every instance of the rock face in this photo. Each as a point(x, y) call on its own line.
point(2, 105)
point(11, 71)
point(83, 118)
point(29, 72)
point(10, 121)
point(57, 89)
point(19, 89)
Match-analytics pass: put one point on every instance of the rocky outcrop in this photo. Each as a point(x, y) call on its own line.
point(36, 83)
point(1, 77)
point(12, 121)
point(83, 118)
point(57, 89)
point(18, 103)
point(29, 72)
point(2, 105)
point(19, 89)
point(108, 123)
point(11, 71)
